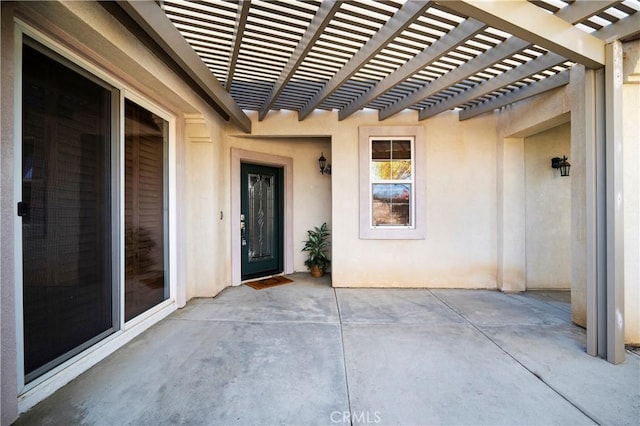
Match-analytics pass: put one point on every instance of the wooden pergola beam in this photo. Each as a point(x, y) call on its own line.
point(237, 41)
point(534, 66)
point(508, 48)
point(528, 22)
point(409, 12)
point(449, 41)
point(155, 23)
point(549, 83)
point(321, 19)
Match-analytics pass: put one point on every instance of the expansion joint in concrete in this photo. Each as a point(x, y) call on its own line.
point(533, 373)
point(344, 356)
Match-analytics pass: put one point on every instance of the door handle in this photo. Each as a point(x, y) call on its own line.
point(23, 209)
point(243, 240)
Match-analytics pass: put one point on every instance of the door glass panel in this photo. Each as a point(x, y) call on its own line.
point(146, 282)
point(261, 216)
point(66, 226)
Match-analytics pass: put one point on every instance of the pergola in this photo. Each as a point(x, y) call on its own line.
point(431, 56)
point(473, 56)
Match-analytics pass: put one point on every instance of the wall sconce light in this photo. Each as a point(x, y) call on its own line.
point(325, 169)
point(562, 164)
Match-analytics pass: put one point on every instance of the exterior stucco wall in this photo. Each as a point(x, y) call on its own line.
point(204, 255)
point(476, 230)
point(311, 190)
point(8, 355)
point(541, 113)
point(87, 34)
point(631, 188)
point(514, 124)
point(548, 211)
point(460, 246)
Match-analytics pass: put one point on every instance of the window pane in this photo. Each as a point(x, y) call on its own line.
point(401, 156)
point(381, 150)
point(391, 160)
point(145, 276)
point(401, 150)
point(401, 170)
point(66, 234)
point(381, 159)
point(381, 170)
point(391, 204)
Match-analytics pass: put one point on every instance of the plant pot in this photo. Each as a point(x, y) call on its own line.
point(317, 271)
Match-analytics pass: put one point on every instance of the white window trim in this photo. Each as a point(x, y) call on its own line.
point(410, 181)
point(418, 230)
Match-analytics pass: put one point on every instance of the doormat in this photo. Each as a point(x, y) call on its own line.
point(269, 282)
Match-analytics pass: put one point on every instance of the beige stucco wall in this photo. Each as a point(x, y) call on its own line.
point(208, 225)
point(8, 355)
point(515, 123)
point(204, 250)
point(541, 113)
point(548, 211)
point(311, 190)
point(476, 227)
point(631, 183)
point(87, 34)
point(460, 247)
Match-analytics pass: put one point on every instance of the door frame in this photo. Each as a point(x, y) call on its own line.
point(239, 156)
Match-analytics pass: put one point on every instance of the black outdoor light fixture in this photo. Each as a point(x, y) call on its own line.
point(325, 169)
point(562, 164)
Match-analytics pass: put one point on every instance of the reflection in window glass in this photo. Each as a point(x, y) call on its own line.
point(66, 227)
point(260, 215)
point(391, 204)
point(146, 282)
point(392, 182)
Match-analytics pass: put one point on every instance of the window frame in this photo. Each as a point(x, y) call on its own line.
point(391, 181)
point(416, 231)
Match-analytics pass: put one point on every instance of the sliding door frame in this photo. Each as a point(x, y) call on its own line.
point(111, 261)
point(44, 385)
point(169, 206)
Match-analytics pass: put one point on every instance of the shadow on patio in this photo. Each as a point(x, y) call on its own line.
point(305, 353)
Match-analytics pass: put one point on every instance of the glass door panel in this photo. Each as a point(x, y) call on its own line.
point(261, 206)
point(66, 211)
point(146, 282)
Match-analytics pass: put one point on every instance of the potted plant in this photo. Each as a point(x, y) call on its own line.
point(316, 246)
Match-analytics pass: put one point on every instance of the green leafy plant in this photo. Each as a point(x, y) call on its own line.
point(317, 245)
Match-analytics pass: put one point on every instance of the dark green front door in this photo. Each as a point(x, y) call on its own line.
point(261, 220)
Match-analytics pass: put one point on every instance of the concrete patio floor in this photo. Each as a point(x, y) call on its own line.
point(305, 353)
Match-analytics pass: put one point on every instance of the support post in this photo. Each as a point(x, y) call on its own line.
point(601, 213)
point(614, 204)
point(584, 119)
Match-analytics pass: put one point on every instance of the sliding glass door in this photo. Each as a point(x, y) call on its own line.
point(72, 226)
point(68, 290)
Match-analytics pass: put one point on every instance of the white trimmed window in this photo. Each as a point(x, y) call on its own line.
point(392, 187)
point(391, 190)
